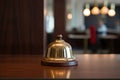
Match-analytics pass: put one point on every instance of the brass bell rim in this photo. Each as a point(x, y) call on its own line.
point(59, 59)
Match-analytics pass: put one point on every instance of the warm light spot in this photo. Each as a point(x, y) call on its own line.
point(69, 16)
point(95, 10)
point(111, 12)
point(104, 10)
point(86, 12)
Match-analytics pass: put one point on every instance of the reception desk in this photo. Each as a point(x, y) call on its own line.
point(89, 66)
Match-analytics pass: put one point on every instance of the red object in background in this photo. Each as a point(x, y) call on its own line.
point(93, 37)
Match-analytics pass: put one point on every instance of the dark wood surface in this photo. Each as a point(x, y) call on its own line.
point(89, 66)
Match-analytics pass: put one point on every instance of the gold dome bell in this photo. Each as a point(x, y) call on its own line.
point(59, 53)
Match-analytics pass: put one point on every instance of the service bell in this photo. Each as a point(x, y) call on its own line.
point(59, 53)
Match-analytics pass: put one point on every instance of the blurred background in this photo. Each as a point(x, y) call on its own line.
point(90, 26)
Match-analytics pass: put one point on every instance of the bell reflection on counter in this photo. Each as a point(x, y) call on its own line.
point(59, 53)
point(57, 73)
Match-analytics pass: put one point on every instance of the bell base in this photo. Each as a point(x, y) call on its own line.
point(59, 64)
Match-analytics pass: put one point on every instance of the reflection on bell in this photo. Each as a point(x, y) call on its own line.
point(59, 53)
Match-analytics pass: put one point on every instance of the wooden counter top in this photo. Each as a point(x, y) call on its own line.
point(89, 66)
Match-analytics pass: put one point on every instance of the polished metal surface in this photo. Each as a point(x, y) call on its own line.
point(59, 51)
